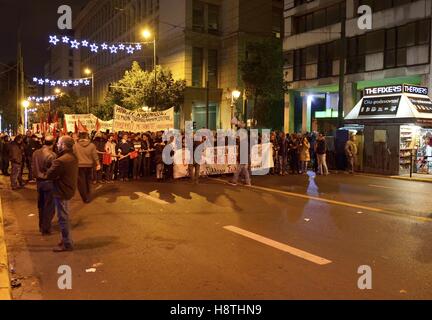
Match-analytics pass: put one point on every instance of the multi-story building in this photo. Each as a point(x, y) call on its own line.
point(396, 50)
point(201, 41)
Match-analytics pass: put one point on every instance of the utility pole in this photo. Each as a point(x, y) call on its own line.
point(342, 70)
point(207, 104)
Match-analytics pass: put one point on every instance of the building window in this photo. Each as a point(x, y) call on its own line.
point(213, 18)
point(212, 72)
point(197, 67)
point(379, 5)
point(198, 16)
point(318, 19)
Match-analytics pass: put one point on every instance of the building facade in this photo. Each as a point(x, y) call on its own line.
point(395, 51)
point(201, 41)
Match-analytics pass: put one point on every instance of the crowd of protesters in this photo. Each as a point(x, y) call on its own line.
point(60, 165)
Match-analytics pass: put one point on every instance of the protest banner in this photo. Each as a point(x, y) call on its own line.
point(140, 121)
point(88, 121)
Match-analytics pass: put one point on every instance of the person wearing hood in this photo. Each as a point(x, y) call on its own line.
point(87, 160)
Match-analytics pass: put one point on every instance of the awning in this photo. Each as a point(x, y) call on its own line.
point(393, 104)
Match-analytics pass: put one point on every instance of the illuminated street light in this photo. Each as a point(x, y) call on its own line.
point(146, 34)
point(89, 72)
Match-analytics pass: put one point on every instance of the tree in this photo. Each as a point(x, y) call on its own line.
point(137, 89)
point(262, 74)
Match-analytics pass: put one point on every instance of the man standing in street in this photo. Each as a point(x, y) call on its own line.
point(321, 153)
point(243, 159)
point(16, 156)
point(64, 173)
point(87, 160)
point(30, 147)
point(351, 153)
point(41, 162)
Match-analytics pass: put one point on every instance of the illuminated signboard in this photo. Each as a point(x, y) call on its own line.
point(377, 106)
point(396, 89)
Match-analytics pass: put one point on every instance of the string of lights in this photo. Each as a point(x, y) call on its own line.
point(42, 99)
point(128, 48)
point(63, 83)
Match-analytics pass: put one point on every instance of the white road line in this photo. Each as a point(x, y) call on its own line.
point(148, 197)
point(280, 246)
point(392, 188)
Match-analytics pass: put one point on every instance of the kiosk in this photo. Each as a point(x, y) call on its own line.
point(397, 131)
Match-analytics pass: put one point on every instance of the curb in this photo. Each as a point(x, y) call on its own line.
point(5, 289)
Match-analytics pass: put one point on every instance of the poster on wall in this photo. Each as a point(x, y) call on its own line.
point(139, 121)
point(422, 105)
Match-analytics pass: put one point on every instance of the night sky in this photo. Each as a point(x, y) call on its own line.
point(39, 19)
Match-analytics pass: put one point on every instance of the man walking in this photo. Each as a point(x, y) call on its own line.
point(87, 160)
point(321, 153)
point(16, 156)
point(351, 153)
point(64, 173)
point(41, 162)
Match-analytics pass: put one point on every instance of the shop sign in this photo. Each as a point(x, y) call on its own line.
point(396, 89)
point(422, 105)
point(380, 106)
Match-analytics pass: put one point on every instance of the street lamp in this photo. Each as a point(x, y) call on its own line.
point(57, 91)
point(147, 35)
point(25, 104)
point(89, 72)
point(235, 95)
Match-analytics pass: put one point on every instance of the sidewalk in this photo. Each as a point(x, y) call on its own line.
point(5, 290)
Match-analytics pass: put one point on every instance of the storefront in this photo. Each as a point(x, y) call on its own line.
point(397, 130)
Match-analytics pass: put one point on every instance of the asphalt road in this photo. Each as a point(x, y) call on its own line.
point(294, 237)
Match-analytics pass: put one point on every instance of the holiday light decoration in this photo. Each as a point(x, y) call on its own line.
point(42, 99)
point(63, 83)
point(113, 48)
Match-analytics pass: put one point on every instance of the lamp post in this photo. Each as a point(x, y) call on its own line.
point(234, 97)
point(148, 35)
point(25, 104)
point(89, 72)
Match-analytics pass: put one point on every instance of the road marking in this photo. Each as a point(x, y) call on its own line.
point(280, 246)
point(338, 203)
point(148, 197)
point(393, 188)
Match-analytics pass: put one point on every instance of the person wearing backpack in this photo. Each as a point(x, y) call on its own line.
point(321, 152)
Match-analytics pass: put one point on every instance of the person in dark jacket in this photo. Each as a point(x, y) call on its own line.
point(31, 146)
point(124, 149)
point(283, 153)
point(41, 162)
point(159, 147)
point(16, 156)
point(64, 173)
point(5, 143)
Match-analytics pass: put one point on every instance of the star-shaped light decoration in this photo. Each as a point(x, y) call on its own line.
point(87, 82)
point(65, 40)
point(84, 43)
point(104, 46)
point(64, 84)
point(53, 98)
point(81, 81)
point(54, 40)
point(47, 80)
point(35, 79)
point(70, 81)
point(138, 46)
point(75, 44)
point(94, 48)
point(130, 49)
point(52, 83)
point(59, 82)
point(121, 46)
point(76, 83)
point(40, 81)
point(113, 49)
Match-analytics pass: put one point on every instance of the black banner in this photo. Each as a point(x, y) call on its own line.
point(423, 105)
point(380, 106)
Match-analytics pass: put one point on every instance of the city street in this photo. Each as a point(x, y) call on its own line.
point(294, 237)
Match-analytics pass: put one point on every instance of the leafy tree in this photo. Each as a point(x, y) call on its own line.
point(137, 89)
point(262, 74)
